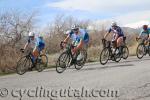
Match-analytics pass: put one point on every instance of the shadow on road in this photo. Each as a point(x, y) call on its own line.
point(109, 66)
point(123, 63)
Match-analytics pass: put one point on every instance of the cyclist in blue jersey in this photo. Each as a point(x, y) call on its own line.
point(145, 33)
point(79, 37)
point(37, 44)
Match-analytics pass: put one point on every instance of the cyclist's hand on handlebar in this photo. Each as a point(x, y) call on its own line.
point(22, 50)
point(103, 40)
point(137, 38)
point(62, 44)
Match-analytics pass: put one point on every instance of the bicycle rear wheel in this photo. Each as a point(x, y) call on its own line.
point(62, 62)
point(44, 60)
point(104, 56)
point(117, 57)
point(149, 50)
point(79, 64)
point(22, 65)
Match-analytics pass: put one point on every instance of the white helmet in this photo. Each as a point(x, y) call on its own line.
point(74, 27)
point(31, 34)
point(113, 24)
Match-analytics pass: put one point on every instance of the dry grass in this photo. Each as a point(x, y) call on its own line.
point(52, 59)
point(132, 49)
point(93, 53)
point(8, 59)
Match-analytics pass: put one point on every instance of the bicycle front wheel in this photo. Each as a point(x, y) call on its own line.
point(62, 62)
point(140, 51)
point(125, 52)
point(22, 65)
point(104, 56)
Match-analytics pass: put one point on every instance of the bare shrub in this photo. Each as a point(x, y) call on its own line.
point(13, 27)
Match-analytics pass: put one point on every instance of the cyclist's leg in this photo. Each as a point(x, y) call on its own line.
point(35, 53)
point(37, 50)
point(82, 51)
point(120, 43)
point(114, 46)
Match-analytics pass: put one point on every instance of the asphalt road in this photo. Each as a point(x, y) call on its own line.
point(127, 80)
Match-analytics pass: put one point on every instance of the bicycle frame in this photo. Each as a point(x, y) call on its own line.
point(69, 47)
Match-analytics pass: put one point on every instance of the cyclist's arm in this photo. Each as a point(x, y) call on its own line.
point(66, 39)
point(26, 45)
point(105, 36)
point(140, 34)
point(108, 32)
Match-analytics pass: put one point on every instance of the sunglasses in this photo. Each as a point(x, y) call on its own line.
point(75, 30)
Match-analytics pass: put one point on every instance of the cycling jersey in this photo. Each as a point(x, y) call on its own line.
point(82, 35)
point(116, 30)
point(38, 42)
point(145, 33)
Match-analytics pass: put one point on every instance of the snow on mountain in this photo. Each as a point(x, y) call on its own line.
point(137, 25)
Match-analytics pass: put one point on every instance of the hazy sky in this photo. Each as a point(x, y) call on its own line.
point(124, 11)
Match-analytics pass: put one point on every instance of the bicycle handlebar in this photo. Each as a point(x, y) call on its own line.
point(61, 44)
point(22, 50)
point(137, 38)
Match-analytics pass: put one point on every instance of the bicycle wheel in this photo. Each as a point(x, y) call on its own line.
point(62, 62)
point(79, 64)
point(104, 56)
point(38, 65)
point(44, 60)
point(148, 50)
point(22, 65)
point(125, 52)
point(140, 51)
point(117, 57)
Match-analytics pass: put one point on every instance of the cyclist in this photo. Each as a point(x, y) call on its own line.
point(37, 44)
point(145, 33)
point(118, 36)
point(79, 37)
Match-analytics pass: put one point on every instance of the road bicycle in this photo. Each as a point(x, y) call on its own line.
point(26, 63)
point(67, 59)
point(109, 53)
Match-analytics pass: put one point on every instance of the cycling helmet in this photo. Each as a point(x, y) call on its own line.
point(75, 27)
point(31, 34)
point(145, 27)
point(113, 24)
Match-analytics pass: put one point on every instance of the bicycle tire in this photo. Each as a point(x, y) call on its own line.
point(22, 63)
point(105, 50)
point(126, 52)
point(80, 64)
point(143, 51)
point(62, 63)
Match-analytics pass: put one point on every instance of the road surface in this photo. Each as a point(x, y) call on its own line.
point(127, 80)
